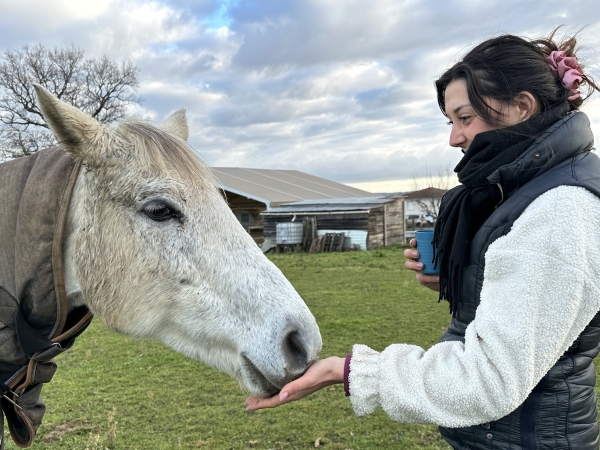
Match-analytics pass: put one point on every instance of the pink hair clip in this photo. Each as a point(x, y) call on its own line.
point(568, 71)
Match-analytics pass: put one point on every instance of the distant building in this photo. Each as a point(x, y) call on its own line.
point(421, 207)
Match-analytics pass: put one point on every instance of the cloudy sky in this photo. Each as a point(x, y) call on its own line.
point(341, 89)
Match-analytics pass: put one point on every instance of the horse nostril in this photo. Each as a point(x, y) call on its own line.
point(295, 353)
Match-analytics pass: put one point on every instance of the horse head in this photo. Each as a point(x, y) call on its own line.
point(154, 251)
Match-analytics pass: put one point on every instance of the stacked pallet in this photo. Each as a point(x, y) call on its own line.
point(328, 242)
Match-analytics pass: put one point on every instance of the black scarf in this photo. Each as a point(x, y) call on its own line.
point(466, 207)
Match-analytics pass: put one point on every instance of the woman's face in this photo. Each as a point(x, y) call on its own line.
point(465, 122)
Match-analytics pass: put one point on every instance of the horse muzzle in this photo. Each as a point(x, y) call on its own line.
point(295, 355)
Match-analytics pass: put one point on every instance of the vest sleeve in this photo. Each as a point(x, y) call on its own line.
point(541, 288)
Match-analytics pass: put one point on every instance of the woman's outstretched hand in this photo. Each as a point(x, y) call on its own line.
point(430, 281)
point(324, 372)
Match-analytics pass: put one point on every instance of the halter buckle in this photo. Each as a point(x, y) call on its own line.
point(8, 390)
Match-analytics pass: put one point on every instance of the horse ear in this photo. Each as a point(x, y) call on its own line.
point(176, 123)
point(71, 127)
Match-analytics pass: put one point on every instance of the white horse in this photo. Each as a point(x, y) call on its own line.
point(154, 251)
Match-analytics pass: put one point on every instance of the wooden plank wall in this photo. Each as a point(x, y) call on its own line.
point(238, 204)
point(392, 218)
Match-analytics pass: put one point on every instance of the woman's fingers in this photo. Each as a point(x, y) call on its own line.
point(411, 253)
point(282, 397)
point(288, 393)
point(254, 403)
point(322, 373)
point(411, 263)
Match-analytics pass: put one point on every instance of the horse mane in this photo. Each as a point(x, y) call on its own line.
point(162, 150)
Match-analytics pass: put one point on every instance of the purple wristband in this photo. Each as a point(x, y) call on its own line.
point(347, 374)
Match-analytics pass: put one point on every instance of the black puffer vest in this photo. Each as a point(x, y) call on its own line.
point(560, 413)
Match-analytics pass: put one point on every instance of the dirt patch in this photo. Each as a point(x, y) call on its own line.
point(55, 431)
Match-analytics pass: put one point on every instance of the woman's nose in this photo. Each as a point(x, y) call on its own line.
point(456, 137)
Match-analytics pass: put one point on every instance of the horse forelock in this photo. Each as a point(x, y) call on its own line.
point(164, 152)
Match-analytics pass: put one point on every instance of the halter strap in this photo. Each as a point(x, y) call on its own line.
point(18, 382)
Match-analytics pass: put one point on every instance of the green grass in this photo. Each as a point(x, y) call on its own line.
point(114, 392)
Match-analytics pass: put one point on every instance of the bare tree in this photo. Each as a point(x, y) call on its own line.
point(101, 87)
point(443, 179)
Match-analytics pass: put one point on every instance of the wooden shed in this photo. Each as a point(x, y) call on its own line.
point(249, 192)
point(368, 222)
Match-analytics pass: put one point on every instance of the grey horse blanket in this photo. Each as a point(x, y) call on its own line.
point(35, 326)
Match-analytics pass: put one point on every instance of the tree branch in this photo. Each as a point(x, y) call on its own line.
point(100, 87)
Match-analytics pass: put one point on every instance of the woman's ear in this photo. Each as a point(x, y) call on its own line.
point(526, 105)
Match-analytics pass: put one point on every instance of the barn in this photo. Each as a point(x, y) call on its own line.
point(249, 192)
point(262, 198)
point(366, 222)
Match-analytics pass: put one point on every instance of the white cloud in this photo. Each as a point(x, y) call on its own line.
point(131, 29)
point(51, 15)
point(340, 89)
point(78, 10)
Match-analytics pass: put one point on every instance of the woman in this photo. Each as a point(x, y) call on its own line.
point(518, 249)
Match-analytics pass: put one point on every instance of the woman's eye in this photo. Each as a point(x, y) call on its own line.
point(465, 118)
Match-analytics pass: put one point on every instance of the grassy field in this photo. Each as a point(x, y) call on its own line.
point(114, 392)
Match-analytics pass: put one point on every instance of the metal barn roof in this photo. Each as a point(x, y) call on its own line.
point(274, 187)
point(354, 204)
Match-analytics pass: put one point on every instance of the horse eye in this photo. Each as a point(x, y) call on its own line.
point(161, 212)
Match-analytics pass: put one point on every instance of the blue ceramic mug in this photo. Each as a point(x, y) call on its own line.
point(425, 247)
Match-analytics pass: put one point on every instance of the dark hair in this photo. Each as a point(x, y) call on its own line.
point(502, 67)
